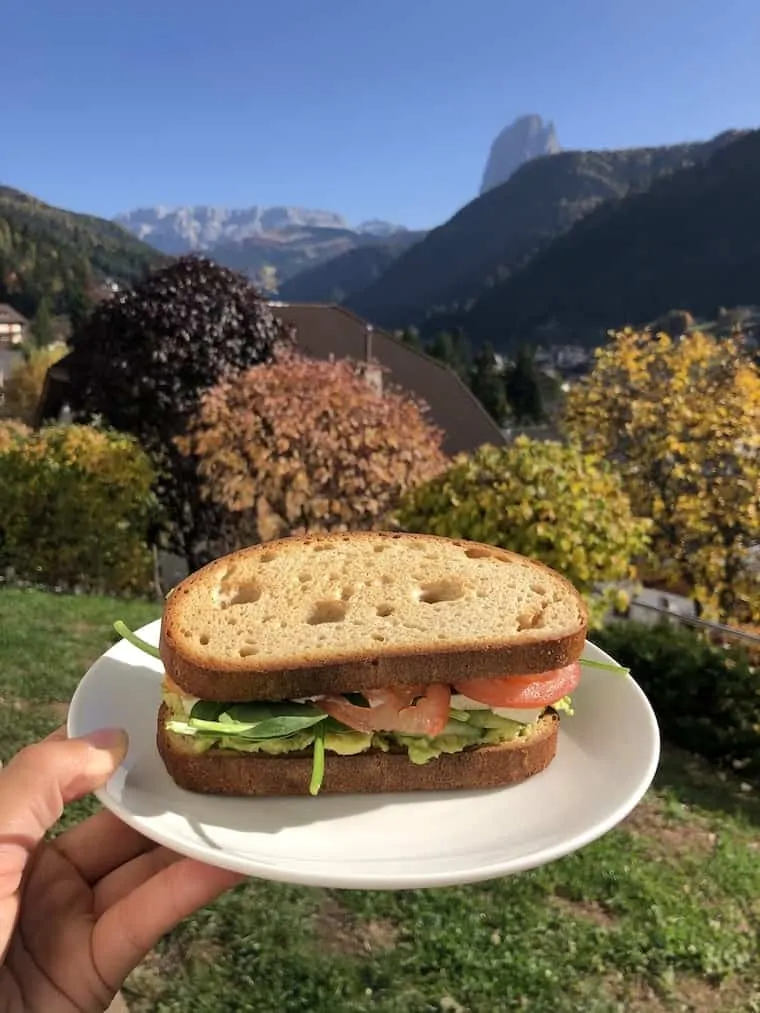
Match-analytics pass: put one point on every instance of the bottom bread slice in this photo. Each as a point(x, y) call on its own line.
point(225, 772)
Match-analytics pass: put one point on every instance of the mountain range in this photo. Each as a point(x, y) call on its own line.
point(269, 244)
point(570, 244)
point(691, 239)
point(274, 245)
point(495, 236)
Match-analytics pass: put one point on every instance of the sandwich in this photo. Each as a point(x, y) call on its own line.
point(365, 662)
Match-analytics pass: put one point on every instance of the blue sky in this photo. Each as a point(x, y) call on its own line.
point(373, 108)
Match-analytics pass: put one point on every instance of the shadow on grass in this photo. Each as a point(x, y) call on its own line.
point(698, 783)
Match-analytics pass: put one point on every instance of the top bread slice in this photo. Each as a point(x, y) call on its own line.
point(327, 614)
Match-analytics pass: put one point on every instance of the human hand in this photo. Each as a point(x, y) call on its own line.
point(77, 914)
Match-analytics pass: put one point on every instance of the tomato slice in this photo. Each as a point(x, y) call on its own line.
point(523, 690)
point(394, 710)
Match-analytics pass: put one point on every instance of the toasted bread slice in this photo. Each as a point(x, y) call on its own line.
point(330, 614)
point(224, 772)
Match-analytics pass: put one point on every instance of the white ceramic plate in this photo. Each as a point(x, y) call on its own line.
point(606, 758)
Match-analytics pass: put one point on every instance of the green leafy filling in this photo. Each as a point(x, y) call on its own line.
point(283, 727)
point(277, 728)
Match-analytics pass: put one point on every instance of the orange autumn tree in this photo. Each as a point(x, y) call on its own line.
point(299, 445)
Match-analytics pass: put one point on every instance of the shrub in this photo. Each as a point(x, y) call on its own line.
point(543, 500)
point(302, 445)
point(145, 356)
point(11, 432)
point(76, 508)
point(707, 698)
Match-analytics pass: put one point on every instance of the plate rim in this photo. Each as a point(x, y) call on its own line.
point(297, 872)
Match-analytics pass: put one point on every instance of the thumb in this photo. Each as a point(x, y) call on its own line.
point(39, 781)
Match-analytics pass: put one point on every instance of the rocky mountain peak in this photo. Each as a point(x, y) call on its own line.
point(525, 139)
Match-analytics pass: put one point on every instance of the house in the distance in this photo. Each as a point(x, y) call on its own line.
point(12, 335)
point(324, 331)
point(12, 326)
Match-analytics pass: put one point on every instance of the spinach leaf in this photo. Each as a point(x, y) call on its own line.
point(252, 713)
point(269, 728)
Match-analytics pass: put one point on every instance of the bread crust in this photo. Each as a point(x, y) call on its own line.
point(438, 662)
point(223, 772)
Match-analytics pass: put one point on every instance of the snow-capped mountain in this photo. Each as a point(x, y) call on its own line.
point(177, 230)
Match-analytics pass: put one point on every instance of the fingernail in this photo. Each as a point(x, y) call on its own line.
point(107, 738)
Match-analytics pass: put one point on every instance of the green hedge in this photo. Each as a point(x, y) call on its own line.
point(76, 508)
point(707, 698)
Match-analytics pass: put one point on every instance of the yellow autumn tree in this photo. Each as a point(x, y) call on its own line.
point(681, 421)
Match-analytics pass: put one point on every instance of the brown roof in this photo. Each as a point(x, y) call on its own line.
point(10, 316)
point(325, 330)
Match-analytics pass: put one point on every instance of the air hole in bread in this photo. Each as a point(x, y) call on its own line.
point(187, 633)
point(320, 547)
point(248, 650)
point(204, 639)
point(378, 636)
point(441, 590)
point(384, 610)
point(539, 589)
point(379, 548)
point(532, 619)
point(327, 612)
point(479, 552)
point(387, 578)
point(244, 594)
point(346, 592)
point(268, 557)
point(305, 577)
point(269, 619)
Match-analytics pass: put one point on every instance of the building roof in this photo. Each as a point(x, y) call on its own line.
point(325, 330)
point(10, 316)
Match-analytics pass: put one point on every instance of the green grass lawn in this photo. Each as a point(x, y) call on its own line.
point(661, 914)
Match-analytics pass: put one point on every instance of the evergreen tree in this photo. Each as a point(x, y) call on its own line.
point(411, 337)
point(523, 388)
point(453, 348)
point(42, 325)
point(487, 384)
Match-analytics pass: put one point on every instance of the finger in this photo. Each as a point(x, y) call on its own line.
point(127, 931)
point(101, 844)
point(125, 880)
point(36, 785)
